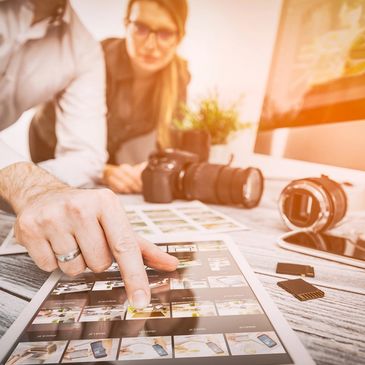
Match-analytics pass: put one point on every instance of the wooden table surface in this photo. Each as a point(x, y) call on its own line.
point(332, 328)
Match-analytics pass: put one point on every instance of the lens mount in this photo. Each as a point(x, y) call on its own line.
point(314, 204)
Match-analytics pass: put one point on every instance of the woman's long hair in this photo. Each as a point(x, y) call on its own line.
point(165, 100)
point(166, 90)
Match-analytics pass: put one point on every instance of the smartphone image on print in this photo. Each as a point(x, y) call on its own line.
point(98, 349)
point(159, 349)
point(268, 341)
point(214, 347)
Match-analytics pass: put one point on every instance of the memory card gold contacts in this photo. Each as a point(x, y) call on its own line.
point(301, 289)
point(294, 269)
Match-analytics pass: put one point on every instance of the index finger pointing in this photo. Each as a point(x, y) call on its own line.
point(123, 244)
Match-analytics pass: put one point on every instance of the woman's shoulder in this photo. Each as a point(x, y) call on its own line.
point(113, 45)
point(115, 54)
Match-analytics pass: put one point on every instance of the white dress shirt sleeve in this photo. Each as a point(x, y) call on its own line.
point(81, 153)
point(8, 156)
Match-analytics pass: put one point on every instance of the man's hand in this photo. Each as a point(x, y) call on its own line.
point(124, 178)
point(53, 218)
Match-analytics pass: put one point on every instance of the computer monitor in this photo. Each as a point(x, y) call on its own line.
point(314, 106)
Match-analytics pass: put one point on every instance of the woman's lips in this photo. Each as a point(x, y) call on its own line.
point(149, 59)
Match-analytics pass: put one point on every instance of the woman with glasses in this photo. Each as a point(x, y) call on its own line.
point(146, 84)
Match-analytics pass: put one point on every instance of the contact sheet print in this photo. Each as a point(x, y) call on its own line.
point(204, 310)
point(152, 219)
point(179, 218)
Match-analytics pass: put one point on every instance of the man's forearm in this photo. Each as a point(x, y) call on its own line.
point(55, 220)
point(23, 181)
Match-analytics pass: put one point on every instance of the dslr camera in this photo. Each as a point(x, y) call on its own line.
point(174, 174)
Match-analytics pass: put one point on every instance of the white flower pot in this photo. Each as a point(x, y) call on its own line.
point(240, 146)
point(219, 153)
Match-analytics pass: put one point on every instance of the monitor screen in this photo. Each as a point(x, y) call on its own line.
point(314, 106)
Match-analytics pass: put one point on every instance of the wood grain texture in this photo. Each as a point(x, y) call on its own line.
point(20, 276)
point(259, 247)
point(10, 308)
point(332, 328)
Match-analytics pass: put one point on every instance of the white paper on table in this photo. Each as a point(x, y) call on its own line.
point(191, 217)
point(160, 219)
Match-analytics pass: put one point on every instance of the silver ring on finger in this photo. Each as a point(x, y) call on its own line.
point(68, 256)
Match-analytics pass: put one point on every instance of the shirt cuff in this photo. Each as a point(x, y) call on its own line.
point(8, 156)
point(77, 171)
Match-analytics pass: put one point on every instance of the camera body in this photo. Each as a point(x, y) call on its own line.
point(173, 174)
point(161, 183)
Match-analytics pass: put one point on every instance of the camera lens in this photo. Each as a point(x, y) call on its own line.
point(315, 204)
point(200, 182)
point(247, 187)
point(253, 187)
point(173, 174)
point(301, 207)
point(337, 199)
point(222, 184)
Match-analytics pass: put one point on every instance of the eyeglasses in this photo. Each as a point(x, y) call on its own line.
point(165, 37)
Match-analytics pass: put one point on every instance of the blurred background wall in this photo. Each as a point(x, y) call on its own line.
point(228, 45)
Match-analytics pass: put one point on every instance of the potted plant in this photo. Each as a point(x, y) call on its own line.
point(219, 122)
point(186, 135)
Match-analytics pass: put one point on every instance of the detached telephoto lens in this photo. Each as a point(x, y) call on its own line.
point(314, 204)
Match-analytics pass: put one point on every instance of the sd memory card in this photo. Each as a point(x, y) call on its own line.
point(294, 269)
point(301, 289)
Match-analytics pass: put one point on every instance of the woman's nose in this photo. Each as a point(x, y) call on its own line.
point(151, 41)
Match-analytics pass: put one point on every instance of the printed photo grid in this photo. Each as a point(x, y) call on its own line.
point(205, 309)
point(179, 218)
point(151, 219)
